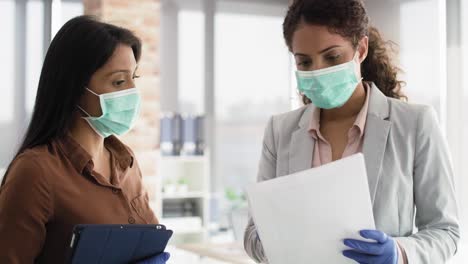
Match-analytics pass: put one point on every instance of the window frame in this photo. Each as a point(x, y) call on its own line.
point(169, 56)
point(52, 16)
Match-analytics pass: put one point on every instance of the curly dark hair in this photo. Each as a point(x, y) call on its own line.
point(349, 19)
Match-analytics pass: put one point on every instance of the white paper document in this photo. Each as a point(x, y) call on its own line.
point(303, 218)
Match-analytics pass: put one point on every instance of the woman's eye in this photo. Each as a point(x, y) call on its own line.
point(118, 83)
point(136, 76)
point(303, 63)
point(333, 57)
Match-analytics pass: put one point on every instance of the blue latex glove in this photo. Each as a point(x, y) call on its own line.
point(159, 259)
point(383, 251)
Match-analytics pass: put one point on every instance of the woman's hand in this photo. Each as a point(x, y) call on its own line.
point(159, 259)
point(383, 251)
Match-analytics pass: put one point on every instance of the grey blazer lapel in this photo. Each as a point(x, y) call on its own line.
point(375, 139)
point(302, 145)
point(375, 136)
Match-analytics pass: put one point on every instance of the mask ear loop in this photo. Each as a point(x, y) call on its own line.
point(357, 64)
point(356, 55)
point(92, 92)
point(83, 111)
point(81, 107)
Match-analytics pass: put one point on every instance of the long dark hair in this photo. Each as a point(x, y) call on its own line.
point(349, 19)
point(81, 46)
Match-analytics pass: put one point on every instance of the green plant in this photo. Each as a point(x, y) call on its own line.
point(182, 181)
point(236, 199)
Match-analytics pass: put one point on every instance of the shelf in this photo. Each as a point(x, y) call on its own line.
point(184, 225)
point(189, 195)
point(195, 173)
point(200, 231)
point(184, 158)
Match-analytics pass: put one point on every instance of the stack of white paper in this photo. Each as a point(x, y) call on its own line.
point(304, 217)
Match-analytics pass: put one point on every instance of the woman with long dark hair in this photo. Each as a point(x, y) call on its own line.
point(353, 104)
point(71, 168)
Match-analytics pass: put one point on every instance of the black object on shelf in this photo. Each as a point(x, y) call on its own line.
point(193, 135)
point(171, 134)
point(200, 136)
point(179, 208)
point(182, 135)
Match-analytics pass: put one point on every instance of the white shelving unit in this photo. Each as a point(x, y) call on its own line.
point(194, 171)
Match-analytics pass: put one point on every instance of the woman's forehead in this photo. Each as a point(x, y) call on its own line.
point(309, 38)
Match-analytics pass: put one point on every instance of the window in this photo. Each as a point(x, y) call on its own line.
point(34, 49)
point(7, 67)
point(420, 52)
point(252, 82)
point(35, 39)
point(251, 79)
point(71, 9)
point(191, 61)
point(248, 88)
point(25, 30)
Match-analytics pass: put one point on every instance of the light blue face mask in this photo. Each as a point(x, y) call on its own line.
point(119, 112)
point(330, 87)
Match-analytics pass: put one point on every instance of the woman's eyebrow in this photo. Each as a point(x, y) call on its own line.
point(301, 55)
point(117, 71)
point(320, 52)
point(329, 48)
point(122, 70)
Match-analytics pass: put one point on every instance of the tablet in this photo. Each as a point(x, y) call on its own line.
point(117, 244)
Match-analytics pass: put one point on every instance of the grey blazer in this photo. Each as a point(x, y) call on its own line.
point(408, 166)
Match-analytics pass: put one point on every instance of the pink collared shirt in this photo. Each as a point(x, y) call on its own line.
point(323, 151)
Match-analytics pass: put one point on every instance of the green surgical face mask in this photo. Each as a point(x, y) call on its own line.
point(119, 112)
point(330, 87)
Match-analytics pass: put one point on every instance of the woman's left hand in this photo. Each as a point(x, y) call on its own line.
point(383, 251)
point(159, 259)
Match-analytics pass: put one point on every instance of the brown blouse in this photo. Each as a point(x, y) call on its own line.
point(49, 189)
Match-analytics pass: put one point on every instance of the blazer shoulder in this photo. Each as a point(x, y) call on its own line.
point(288, 120)
point(409, 111)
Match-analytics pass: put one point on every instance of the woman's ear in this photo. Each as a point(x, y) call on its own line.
point(363, 48)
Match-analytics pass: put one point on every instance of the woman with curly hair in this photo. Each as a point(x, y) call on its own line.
point(353, 103)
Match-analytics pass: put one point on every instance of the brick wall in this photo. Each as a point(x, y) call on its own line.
point(143, 18)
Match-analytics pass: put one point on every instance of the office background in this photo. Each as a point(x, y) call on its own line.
point(226, 60)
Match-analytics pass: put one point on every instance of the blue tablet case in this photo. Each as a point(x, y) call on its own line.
point(117, 244)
